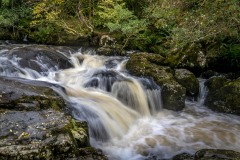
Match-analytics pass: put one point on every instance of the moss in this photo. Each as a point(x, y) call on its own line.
point(78, 132)
point(40, 102)
point(216, 154)
point(187, 80)
point(216, 83)
point(223, 95)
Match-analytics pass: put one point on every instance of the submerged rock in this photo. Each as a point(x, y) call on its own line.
point(223, 95)
point(145, 64)
point(33, 125)
point(188, 80)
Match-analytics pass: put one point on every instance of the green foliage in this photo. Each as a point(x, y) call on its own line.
point(117, 18)
point(156, 26)
point(206, 22)
point(14, 17)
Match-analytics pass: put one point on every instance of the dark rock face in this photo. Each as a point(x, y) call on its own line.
point(35, 135)
point(145, 64)
point(188, 80)
point(183, 156)
point(209, 154)
point(41, 58)
point(216, 154)
point(223, 95)
point(24, 96)
point(33, 125)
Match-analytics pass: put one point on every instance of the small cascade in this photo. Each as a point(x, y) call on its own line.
point(132, 94)
point(202, 91)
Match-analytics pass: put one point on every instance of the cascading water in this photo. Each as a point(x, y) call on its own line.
point(125, 113)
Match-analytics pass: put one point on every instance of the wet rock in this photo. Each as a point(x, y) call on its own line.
point(173, 94)
point(33, 125)
point(104, 80)
point(25, 96)
point(188, 80)
point(41, 58)
point(223, 95)
point(110, 51)
point(45, 134)
point(216, 154)
point(140, 65)
point(183, 156)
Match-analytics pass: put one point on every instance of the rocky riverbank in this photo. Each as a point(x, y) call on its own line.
point(36, 123)
point(179, 83)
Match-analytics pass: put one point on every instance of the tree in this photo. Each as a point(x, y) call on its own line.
point(117, 18)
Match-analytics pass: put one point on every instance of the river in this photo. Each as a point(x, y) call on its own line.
point(125, 113)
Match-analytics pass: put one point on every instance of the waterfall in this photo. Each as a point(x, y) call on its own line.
point(125, 113)
point(202, 91)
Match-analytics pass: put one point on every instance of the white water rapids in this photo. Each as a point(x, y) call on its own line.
point(125, 114)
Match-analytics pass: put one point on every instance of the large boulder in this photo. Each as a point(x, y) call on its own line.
point(188, 80)
point(41, 58)
point(173, 96)
point(26, 95)
point(34, 126)
point(148, 65)
point(223, 95)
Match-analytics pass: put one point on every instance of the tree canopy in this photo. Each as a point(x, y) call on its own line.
point(150, 25)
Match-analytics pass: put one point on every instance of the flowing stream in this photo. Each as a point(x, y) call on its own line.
point(125, 113)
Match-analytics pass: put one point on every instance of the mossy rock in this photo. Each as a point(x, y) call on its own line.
point(17, 95)
point(173, 96)
point(216, 154)
point(143, 64)
point(209, 154)
point(192, 57)
point(223, 95)
point(110, 51)
point(188, 80)
point(183, 156)
point(46, 134)
point(34, 126)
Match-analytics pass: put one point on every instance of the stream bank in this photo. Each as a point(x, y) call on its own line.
point(155, 115)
